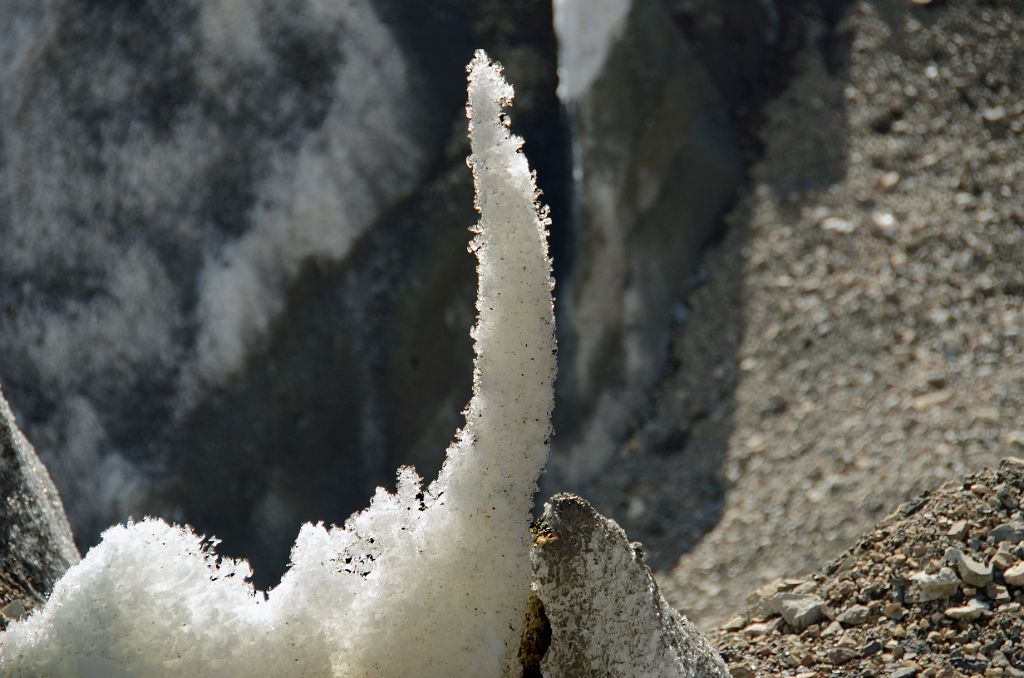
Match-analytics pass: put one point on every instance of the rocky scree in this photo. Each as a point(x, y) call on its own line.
point(935, 590)
point(856, 338)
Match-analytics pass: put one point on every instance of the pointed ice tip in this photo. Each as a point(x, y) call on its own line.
point(487, 83)
point(514, 341)
point(481, 60)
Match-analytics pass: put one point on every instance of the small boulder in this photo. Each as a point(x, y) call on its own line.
point(928, 587)
point(1012, 532)
point(1003, 559)
point(855, 615)
point(1014, 576)
point(606, 614)
point(974, 573)
point(969, 612)
point(798, 610)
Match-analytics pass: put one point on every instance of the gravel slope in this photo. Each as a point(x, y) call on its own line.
point(857, 337)
point(936, 589)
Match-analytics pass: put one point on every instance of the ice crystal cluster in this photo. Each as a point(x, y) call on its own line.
point(426, 581)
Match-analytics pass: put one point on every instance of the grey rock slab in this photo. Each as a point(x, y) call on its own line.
point(606, 613)
point(798, 610)
point(832, 629)
point(855, 615)
point(971, 571)
point(1012, 532)
point(36, 546)
point(764, 601)
point(958, 530)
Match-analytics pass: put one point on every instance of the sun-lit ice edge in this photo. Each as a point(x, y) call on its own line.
point(424, 582)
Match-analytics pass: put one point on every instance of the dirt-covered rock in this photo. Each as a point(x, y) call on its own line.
point(603, 611)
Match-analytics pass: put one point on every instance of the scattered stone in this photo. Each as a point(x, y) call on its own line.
point(883, 219)
point(981, 489)
point(893, 610)
point(998, 593)
point(1014, 576)
point(971, 571)
point(994, 114)
point(885, 589)
point(867, 450)
point(842, 655)
point(1003, 558)
point(756, 629)
point(871, 648)
point(855, 615)
point(764, 601)
point(1012, 531)
point(735, 623)
point(1007, 497)
point(923, 403)
point(905, 672)
point(836, 225)
point(852, 325)
point(958, 530)
point(889, 180)
point(799, 611)
point(834, 628)
point(942, 584)
point(969, 612)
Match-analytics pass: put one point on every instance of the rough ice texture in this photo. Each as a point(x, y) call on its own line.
point(655, 163)
point(316, 203)
point(586, 31)
point(36, 547)
point(430, 582)
point(138, 255)
point(607, 616)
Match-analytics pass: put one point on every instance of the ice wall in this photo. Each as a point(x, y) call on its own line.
point(167, 170)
